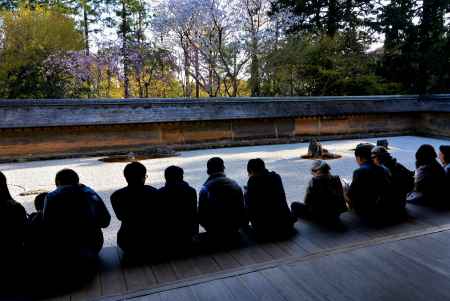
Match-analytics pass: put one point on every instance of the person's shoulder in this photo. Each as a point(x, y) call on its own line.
point(119, 193)
point(150, 189)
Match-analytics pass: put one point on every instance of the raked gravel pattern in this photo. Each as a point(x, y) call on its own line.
point(285, 159)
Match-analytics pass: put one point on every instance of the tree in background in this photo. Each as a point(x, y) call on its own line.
point(29, 37)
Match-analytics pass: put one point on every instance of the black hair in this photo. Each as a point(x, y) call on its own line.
point(445, 150)
point(174, 174)
point(364, 151)
point(256, 166)
point(215, 165)
point(4, 191)
point(425, 155)
point(67, 177)
point(134, 172)
point(39, 201)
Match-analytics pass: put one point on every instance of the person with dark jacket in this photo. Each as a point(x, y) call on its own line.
point(428, 180)
point(265, 201)
point(13, 220)
point(444, 156)
point(36, 234)
point(139, 209)
point(370, 191)
point(74, 216)
point(324, 199)
point(221, 203)
point(402, 178)
point(180, 201)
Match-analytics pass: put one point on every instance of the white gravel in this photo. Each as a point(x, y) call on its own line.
point(285, 159)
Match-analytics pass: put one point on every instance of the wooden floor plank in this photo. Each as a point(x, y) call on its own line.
point(261, 287)
point(213, 291)
point(185, 267)
point(225, 260)
point(274, 250)
point(239, 290)
point(288, 288)
point(164, 272)
point(136, 274)
point(206, 264)
point(111, 275)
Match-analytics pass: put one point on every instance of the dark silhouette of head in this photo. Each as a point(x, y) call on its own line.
point(425, 155)
point(256, 167)
point(380, 155)
point(67, 177)
point(39, 201)
point(135, 173)
point(320, 167)
point(4, 191)
point(173, 174)
point(363, 152)
point(444, 154)
point(215, 165)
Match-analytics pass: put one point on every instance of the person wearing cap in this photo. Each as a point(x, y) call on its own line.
point(428, 180)
point(370, 190)
point(402, 178)
point(266, 203)
point(221, 210)
point(444, 156)
point(324, 199)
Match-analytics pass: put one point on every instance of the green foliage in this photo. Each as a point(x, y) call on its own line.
point(29, 37)
point(322, 66)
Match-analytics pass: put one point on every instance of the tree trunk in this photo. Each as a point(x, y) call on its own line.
point(126, 83)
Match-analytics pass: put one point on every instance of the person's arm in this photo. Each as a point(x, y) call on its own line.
point(101, 213)
point(309, 196)
point(194, 212)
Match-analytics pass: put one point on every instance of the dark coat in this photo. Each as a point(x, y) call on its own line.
point(324, 197)
point(180, 201)
point(13, 220)
point(402, 182)
point(370, 190)
point(141, 213)
point(221, 205)
point(429, 181)
point(266, 204)
point(74, 217)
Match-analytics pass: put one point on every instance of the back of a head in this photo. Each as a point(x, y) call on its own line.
point(4, 191)
point(173, 174)
point(256, 166)
point(445, 150)
point(39, 201)
point(135, 173)
point(321, 166)
point(364, 151)
point(66, 177)
point(425, 155)
point(381, 153)
point(215, 165)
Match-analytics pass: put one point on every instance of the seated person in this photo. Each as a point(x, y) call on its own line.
point(13, 220)
point(36, 232)
point(266, 203)
point(74, 216)
point(370, 190)
point(324, 199)
point(428, 180)
point(180, 201)
point(402, 178)
point(444, 156)
point(221, 203)
point(138, 207)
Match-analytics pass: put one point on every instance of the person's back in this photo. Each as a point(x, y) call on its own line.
point(429, 179)
point(265, 201)
point(370, 189)
point(180, 203)
point(138, 208)
point(221, 202)
point(74, 216)
point(324, 198)
point(444, 156)
point(402, 179)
